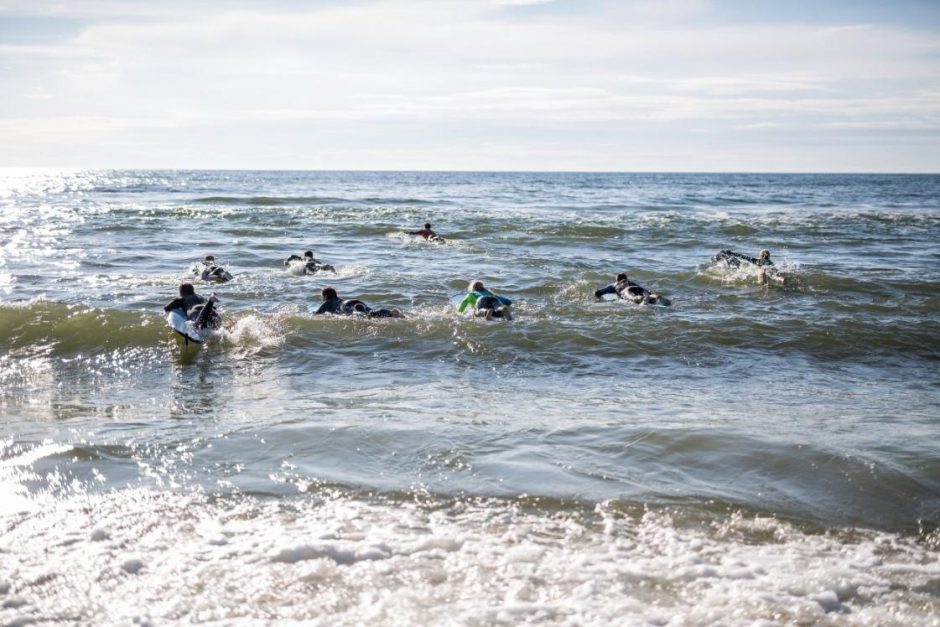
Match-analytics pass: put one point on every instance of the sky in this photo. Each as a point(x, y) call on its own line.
point(535, 85)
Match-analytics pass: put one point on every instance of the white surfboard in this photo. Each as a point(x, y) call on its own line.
point(185, 327)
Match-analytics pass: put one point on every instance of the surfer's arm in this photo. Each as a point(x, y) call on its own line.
point(324, 308)
point(610, 289)
point(176, 304)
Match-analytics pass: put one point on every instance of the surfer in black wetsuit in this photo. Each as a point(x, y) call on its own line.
point(762, 261)
point(734, 259)
point(626, 289)
point(196, 308)
point(311, 265)
point(333, 304)
point(212, 272)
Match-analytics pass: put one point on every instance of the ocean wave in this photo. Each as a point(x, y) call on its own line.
point(269, 201)
point(287, 201)
point(572, 327)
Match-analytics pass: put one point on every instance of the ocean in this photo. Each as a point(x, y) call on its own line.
point(754, 454)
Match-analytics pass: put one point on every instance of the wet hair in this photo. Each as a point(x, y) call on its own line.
point(622, 276)
point(308, 253)
point(209, 258)
point(187, 289)
point(427, 225)
point(475, 286)
point(764, 253)
point(328, 293)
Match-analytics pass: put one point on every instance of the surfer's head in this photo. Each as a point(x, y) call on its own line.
point(187, 289)
point(622, 277)
point(209, 259)
point(427, 225)
point(308, 254)
point(328, 292)
point(476, 286)
point(764, 254)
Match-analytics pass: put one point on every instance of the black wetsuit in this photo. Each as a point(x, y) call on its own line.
point(733, 259)
point(214, 273)
point(197, 309)
point(489, 302)
point(620, 288)
point(628, 290)
point(354, 306)
point(311, 265)
point(331, 306)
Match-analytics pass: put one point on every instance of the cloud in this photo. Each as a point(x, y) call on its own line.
point(525, 68)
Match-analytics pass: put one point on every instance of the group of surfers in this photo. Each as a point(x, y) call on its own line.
point(479, 299)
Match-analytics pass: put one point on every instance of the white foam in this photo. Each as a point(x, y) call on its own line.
point(254, 332)
point(340, 560)
point(28, 456)
point(297, 267)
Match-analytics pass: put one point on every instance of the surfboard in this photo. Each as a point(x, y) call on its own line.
point(178, 321)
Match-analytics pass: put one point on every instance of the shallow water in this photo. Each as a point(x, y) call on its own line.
point(753, 453)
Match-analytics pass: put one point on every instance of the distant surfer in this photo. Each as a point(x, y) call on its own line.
point(199, 310)
point(485, 303)
point(427, 233)
point(212, 272)
point(333, 304)
point(626, 289)
point(308, 264)
point(767, 272)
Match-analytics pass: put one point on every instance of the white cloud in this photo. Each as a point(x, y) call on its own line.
point(452, 64)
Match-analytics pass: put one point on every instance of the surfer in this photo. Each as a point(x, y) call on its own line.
point(733, 259)
point(626, 289)
point(211, 272)
point(485, 303)
point(427, 233)
point(767, 270)
point(199, 310)
point(333, 304)
point(309, 264)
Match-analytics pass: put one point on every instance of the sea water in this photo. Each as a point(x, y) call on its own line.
point(754, 454)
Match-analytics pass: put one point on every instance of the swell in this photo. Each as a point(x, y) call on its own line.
point(288, 201)
point(555, 334)
point(705, 470)
point(63, 329)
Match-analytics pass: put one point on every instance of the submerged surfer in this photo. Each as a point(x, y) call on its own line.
point(626, 289)
point(212, 272)
point(485, 303)
point(196, 308)
point(311, 265)
point(427, 233)
point(333, 304)
point(767, 270)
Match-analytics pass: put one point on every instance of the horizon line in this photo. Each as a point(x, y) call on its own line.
point(466, 171)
